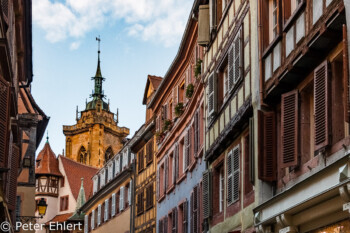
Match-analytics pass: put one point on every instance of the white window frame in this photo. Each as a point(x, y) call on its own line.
point(130, 192)
point(221, 191)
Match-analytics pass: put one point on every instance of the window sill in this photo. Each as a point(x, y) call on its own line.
point(170, 189)
point(192, 165)
point(292, 18)
point(161, 198)
point(181, 178)
point(271, 46)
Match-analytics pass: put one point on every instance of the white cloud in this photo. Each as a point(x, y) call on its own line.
point(150, 20)
point(75, 45)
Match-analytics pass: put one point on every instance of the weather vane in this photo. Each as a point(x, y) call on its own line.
point(99, 41)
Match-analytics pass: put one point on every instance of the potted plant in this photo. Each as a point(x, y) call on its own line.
point(179, 109)
point(198, 68)
point(160, 136)
point(189, 90)
point(167, 125)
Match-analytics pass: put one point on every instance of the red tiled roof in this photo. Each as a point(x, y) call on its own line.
point(48, 162)
point(59, 218)
point(74, 172)
point(155, 80)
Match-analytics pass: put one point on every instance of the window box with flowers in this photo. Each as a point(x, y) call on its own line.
point(198, 69)
point(189, 90)
point(168, 124)
point(179, 109)
point(160, 135)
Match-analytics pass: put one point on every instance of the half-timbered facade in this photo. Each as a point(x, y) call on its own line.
point(145, 147)
point(228, 31)
point(178, 110)
point(304, 117)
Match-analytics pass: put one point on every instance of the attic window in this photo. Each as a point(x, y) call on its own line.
point(38, 163)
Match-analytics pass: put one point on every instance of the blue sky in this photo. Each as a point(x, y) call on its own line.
point(138, 37)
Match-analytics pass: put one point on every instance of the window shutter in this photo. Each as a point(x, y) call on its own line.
point(158, 185)
point(196, 132)
point(185, 217)
point(14, 163)
point(212, 95)
point(176, 161)
point(195, 210)
point(206, 199)
point(160, 226)
point(188, 148)
point(166, 225)
point(238, 67)
point(157, 124)
point(346, 75)
point(321, 103)
point(5, 9)
point(191, 211)
point(130, 192)
point(236, 170)
point(186, 145)
point(99, 215)
point(173, 177)
point(106, 210)
point(267, 146)
point(113, 205)
point(93, 219)
point(86, 225)
point(229, 163)
point(289, 128)
point(231, 79)
point(174, 103)
point(4, 120)
point(251, 151)
point(121, 200)
point(212, 15)
point(166, 175)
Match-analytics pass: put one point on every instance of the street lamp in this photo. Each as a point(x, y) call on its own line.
point(41, 206)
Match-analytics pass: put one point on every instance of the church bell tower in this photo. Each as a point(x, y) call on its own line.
point(96, 136)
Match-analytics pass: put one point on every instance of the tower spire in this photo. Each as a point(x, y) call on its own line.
point(98, 92)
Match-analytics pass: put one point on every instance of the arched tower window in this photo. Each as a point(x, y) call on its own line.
point(108, 154)
point(82, 155)
point(68, 147)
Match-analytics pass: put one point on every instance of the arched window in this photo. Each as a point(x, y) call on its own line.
point(108, 154)
point(68, 147)
point(82, 155)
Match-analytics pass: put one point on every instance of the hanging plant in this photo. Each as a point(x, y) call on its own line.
point(179, 109)
point(167, 125)
point(189, 90)
point(198, 68)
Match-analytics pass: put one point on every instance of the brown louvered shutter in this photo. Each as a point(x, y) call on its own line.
point(174, 220)
point(321, 103)
point(289, 129)
point(196, 133)
point(267, 146)
point(186, 155)
point(189, 145)
point(166, 174)
point(206, 199)
point(191, 211)
point(5, 8)
point(176, 162)
point(158, 185)
point(4, 121)
point(195, 210)
point(165, 224)
point(229, 168)
point(346, 75)
point(160, 226)
point(185, 217)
